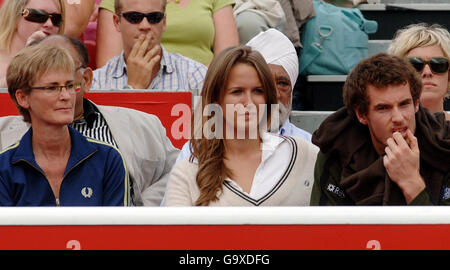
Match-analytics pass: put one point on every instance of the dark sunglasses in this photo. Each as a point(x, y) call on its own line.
point(135, 17)
point(436, 64)
point(41, 16)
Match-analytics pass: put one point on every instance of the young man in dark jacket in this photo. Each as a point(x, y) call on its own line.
point(383, 148)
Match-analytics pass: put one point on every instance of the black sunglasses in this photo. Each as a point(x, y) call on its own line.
point(135, 17)
point(41, 16)
point(437, 64)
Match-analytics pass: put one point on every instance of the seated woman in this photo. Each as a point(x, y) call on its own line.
point(237, 162)
point(428, 49)
point(23, 20)
point(53, 164)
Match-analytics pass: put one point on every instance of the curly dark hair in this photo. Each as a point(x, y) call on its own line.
point(380, 71)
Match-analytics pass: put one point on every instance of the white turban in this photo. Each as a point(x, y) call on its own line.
point(277, 49)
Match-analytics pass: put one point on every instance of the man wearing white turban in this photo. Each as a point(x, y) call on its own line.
point(280, 54)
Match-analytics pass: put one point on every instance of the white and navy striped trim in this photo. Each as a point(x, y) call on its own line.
point(283, 178)
point(98, 131)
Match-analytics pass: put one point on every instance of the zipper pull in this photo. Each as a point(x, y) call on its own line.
point(57, 202)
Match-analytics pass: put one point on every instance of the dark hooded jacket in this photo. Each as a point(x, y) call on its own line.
point(349, 171)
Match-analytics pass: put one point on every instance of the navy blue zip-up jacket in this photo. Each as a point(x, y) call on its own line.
point(95, 175)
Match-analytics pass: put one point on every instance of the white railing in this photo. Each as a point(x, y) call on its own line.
point(310, 215)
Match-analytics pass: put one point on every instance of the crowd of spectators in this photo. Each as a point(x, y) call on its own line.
point(389, 144)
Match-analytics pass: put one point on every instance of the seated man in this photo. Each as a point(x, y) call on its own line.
point(383, 148)
point(280, 54)
point(141, 138)
point(144, 63)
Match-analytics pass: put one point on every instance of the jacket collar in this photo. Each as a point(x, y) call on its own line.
point(80, 150)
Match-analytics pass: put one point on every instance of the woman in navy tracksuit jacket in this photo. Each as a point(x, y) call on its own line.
point(53, 164)
point(95, 175)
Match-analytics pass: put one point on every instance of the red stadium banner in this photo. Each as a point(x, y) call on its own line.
point(226, 237)
point(162, 104)
point(168, 106)
point(7, 106)
point(225, 228)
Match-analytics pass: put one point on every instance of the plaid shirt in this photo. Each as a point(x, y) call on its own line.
point(177, 73)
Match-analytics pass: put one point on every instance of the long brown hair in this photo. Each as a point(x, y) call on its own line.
point(210, 151)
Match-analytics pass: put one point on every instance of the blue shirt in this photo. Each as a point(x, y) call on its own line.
point(177, 73)
point(289, 129)
point(95, 175)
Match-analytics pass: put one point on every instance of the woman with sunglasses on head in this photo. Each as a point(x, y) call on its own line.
point(427, 48)
point(236, 161)
point(53, 164)
point(22, 19)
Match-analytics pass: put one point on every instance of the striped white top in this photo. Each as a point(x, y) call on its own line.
point(93, 125)
point(177, 73)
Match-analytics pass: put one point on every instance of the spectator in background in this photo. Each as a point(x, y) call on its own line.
point(427, 47)
point(383, 148)
point(297, 14)
point(200, 29)
point(24, 20)
point(258, 169)
point(148, 152)
point(109, 40)
point(54, 164)
point(77, 17)
point(280, 54)
point(195, 29)
point(144, 63)
point(255, 16)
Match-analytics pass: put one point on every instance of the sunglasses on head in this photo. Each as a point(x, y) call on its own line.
point(436, 64)
point(41, 16)
point(135, 17)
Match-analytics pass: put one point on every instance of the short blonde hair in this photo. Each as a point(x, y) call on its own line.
point(10, 14)
point(32, 63)
point(421, 35)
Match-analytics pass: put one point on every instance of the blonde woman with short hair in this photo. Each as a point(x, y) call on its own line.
point(53, 164)
point(427, 48)
point(24, 20)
